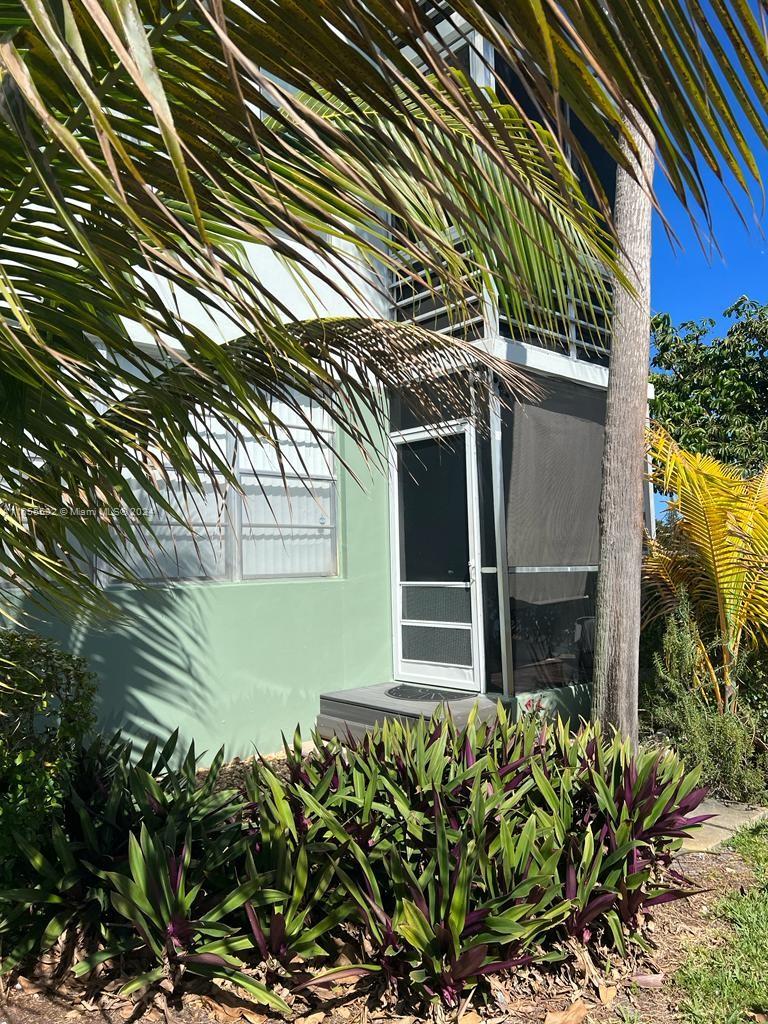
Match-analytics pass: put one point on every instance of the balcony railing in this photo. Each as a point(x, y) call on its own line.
point(580, 331)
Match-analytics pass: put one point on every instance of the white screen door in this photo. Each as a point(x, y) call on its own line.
point(435, 532)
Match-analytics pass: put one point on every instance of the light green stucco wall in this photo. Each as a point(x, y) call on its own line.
point(237, 663)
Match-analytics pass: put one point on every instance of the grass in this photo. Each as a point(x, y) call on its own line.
point(728, 983)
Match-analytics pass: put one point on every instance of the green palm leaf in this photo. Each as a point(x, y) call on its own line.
point(145, 146)
point(129, 197)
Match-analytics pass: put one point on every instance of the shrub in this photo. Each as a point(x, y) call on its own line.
point(46, 709)
point(721, 744)
point(753, 689)
point(472, 851)
point(725, 745)
point(440, 854)
point(142, 845)
point(714, 548)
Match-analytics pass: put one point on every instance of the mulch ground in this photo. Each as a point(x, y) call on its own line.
point(577, 994)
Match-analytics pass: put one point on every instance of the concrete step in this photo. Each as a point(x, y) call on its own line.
point(359, 709)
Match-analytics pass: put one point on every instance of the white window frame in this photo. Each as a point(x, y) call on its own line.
point(232, 519)
point(291, 475)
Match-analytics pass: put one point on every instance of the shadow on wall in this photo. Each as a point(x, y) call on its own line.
point(152, 663)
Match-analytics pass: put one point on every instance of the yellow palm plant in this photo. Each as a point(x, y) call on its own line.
point(716, 552)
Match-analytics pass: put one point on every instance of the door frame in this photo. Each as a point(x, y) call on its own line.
point(430, 673)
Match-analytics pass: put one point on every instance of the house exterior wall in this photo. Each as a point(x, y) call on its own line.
point(236, 664)
point(239, 663)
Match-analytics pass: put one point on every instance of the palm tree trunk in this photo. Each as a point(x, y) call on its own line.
point(617, 629)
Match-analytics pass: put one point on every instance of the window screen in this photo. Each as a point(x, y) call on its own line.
point(282, 524)
point(434, 541)
point(552, 454)
point(195, 548)
point(193, 551)
point(552, 623)
point(437, 645)
point(288, 512)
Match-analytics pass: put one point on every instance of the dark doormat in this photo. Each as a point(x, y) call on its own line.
point(407, 691)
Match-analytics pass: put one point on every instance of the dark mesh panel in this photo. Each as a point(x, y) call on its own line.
point(553, 628)
point(437, 604)
point(434, 541)
point(510, 85)
point(552, 457)
point(441, 646)
point(403, 414)
point(601, 163)
point(494, 681)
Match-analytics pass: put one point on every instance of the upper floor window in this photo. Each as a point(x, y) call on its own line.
point(580, 327)
point(510, 85)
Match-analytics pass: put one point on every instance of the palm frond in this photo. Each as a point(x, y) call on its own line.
point(531, 258)
point(145, 147)
point(134, 207)
point(694, 73)
point(64, 475)
point(717, 551)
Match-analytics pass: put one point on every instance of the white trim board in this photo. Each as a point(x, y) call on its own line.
point(544, 360)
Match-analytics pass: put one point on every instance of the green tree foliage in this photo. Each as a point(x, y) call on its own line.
point(46, 709)
point(712, 392)
point(724, 744)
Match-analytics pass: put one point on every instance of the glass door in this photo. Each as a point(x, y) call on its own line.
point(435, 531)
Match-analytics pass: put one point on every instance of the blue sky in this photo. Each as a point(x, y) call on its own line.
point(690, 285)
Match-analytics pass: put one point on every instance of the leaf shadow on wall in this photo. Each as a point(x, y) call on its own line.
point(153, 664)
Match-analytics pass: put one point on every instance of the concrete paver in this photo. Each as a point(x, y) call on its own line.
point(728, 818)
